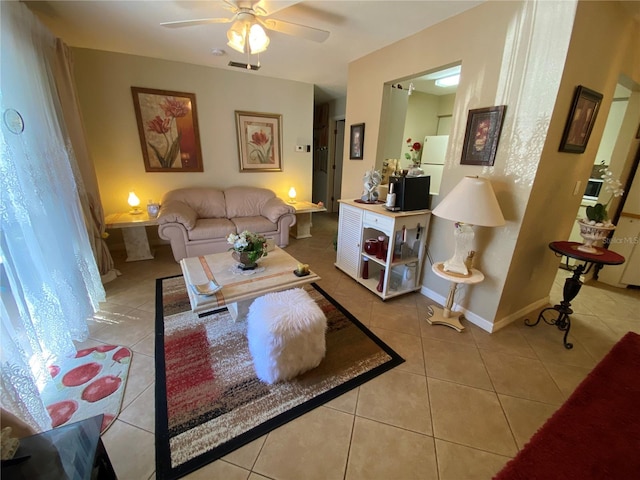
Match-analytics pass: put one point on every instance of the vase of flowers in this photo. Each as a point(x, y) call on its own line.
point(597, 226)
point(247, 248)
point(413, 155)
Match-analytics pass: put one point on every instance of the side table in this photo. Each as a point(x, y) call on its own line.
point(302, 228)
point(134, 233)
point(573, 284)
point(73, 451)
point(444, 316)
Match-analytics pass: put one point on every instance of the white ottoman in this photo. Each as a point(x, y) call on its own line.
point(286, 332)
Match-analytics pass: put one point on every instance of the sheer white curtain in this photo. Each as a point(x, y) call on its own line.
point(51, 283)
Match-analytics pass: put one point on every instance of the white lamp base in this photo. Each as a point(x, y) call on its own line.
point(463, 237)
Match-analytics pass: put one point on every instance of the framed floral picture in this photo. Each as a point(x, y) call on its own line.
point(259, 141)
point(168, 129)
point(482, 135)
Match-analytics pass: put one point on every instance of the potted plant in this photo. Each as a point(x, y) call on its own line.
point(597, 226)
point(248, 248)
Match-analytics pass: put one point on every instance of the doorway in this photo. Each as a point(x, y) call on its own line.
point(336, 165)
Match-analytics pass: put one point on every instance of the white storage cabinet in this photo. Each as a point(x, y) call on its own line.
point(406, 234)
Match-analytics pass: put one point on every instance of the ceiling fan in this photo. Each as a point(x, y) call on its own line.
point(247, 32)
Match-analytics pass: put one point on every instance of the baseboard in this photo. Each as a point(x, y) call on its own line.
point(481, 322)
point(503, 322)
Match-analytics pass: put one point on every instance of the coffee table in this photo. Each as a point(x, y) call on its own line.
point(275, 272)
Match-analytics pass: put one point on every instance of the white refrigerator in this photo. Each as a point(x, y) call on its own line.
point(432, 161)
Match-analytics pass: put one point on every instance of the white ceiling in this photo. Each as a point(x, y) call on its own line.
point(356, 28)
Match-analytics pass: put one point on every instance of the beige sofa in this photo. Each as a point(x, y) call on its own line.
point(197, 221)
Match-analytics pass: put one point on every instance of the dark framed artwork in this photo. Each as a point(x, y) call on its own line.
point(482, 135)
point(582, 117)
point(168, 130)
point(259, 141)
point(356, 148)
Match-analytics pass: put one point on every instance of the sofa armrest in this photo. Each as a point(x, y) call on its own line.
point(274, 208)
point(179, 212)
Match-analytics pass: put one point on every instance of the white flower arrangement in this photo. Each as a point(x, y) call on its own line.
point(252, 243)
point(597, 214)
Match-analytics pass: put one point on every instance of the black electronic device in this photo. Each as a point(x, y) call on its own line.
point(412, 193)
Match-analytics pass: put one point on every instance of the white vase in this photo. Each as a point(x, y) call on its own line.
point(153, 209)
point(593, 234)
point(415, 171)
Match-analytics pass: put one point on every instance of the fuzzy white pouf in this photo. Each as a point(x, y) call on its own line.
point(286, 332)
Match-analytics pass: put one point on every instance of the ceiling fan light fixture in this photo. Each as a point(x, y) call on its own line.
point(237, 36)
point(258, 39)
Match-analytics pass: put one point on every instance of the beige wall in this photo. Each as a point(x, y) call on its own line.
point(604, 44)
point(513, 54)
point(104, 82)
point(493, 42)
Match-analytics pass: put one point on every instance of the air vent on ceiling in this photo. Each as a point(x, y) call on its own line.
point(246, 66)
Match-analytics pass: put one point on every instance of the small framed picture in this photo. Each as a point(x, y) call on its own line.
point(168, 130)
point(582, 117)
point(356, 149)
point(482, 135)
point(259, 141)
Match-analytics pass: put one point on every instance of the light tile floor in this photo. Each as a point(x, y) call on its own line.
point(459, 408)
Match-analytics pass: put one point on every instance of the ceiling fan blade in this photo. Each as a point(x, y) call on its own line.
point(191, 23)
point(288, 28)
point(273, 6)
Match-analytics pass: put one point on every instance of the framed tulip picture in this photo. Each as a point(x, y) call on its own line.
point(259, 141)
point(168, 129)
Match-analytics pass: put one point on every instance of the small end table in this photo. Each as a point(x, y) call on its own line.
point(73, 451)
point(302, 228)
point(444, 316)
point(573, 284)
point(134, 233)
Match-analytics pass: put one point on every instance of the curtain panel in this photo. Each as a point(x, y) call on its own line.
point(51, 282)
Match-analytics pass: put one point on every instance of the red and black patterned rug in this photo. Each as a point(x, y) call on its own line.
point(595, 434)
point(209, 401)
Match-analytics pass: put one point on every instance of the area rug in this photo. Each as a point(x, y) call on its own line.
point(209, 401)
point(87, 384)
point(595, 434)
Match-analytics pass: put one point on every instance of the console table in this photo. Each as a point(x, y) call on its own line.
point(444, 316)
point(134, 233)
point(573, 284)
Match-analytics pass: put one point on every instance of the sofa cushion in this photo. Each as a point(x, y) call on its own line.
point(207, 202)
point(246, 201)
point(254, 224)
point(208, 228)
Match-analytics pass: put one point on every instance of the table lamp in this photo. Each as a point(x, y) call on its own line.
point(292, 195)
point(471, 202)
point(134, 203)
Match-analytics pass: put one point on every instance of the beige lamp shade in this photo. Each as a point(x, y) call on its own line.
point(473, 202)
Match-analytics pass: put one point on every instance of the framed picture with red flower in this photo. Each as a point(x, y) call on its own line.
point(259, 141)
point(482, 135)
point(168, 129)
